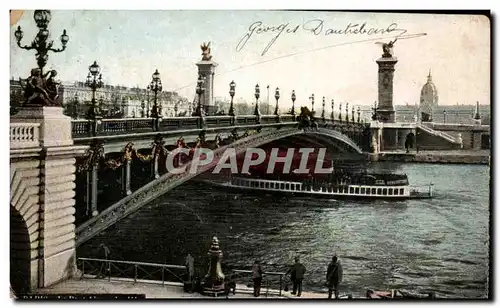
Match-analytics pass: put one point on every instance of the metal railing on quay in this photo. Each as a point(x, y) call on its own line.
point(130, 270)
point(267, 279)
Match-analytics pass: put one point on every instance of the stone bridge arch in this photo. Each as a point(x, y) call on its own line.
point(168, 181)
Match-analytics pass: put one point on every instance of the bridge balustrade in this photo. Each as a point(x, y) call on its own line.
point(246, 120)
point(177, 123)
point(268, 119)
point(218, 121)
point(80, 128)
point(24, 135)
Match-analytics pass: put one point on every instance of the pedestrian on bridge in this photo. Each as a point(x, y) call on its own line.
point(334, 277)
point(297, 272)
point(257, 278)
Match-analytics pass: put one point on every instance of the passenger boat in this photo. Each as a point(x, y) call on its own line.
point(365, 186)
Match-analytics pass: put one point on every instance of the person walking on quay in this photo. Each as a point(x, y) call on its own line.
point(257, 278)
point(334, 277)
point(297, 272)
point(189, 263)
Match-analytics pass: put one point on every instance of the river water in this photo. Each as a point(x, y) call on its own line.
point(439, 245)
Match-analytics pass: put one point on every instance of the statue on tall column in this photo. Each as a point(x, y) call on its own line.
point(205, 48)
point(387, 48)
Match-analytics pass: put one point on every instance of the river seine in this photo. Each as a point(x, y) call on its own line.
point(439, 245)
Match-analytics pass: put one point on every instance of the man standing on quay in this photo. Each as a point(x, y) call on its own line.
point(257, 278)
point(334, 277)
point(297, 272)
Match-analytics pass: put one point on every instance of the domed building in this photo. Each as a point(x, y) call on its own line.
point(428, 97)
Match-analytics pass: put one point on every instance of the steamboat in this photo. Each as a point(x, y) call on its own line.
point(335, 186)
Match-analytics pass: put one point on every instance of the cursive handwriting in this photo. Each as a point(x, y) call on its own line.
point(316, 27)
point(257, 28)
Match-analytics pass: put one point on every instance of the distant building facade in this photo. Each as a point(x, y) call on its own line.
point(114, 101)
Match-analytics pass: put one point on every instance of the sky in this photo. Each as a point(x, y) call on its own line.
point(129, 45)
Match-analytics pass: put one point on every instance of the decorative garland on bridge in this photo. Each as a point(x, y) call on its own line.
point(95, 154)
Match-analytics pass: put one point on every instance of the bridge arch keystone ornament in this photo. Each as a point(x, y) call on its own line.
point(168, 181)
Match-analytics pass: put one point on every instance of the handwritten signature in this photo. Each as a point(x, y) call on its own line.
point(314, 26)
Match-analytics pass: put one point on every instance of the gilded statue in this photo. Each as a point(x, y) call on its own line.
point(205, 48)
point(387, 48)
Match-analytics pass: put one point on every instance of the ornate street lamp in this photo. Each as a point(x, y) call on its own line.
point(156, 87)
point(41, 43)
point(148, 108)
point(143, 112)
point(347, 112)
point(444, 116)
point(340, 112)
point(359, 113)
point(312, 102)
point(94, 83)
point(333, 105)
point(293, 102)
point(176, 108)
point(323, 111)
point(352, 114)
point(257, 95)
point(374, 115)
point(277, 97)
point(232, 91)
point(75, 106)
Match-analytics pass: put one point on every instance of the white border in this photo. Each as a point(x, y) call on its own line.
point(196, 4)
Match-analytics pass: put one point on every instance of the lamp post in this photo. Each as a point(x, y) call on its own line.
point(148, 108)
point(352, 115)
point(199, 109)
point(312, 102)
point(444, 116)
point(156, 87)
point(143, 111)
point(94, 83)
point(347, 112)
point(340, 112)
point(323, 111)
point(359, 113)
point(176, 108)
point(256, 112)
point(331, 115)
point(41, 43)
point(277, 97)
point(232, 91)
point(75, 106)
point(374, 114)
point(293, 104)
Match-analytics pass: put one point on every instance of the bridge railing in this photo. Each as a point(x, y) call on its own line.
point(106, 127)
point(270, 280)
point(130, 270)
point(24, 135)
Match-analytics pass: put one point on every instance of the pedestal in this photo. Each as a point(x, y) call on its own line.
point(53, 222)
point(55, 127)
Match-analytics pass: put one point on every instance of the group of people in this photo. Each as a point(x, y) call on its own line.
point(297, 271)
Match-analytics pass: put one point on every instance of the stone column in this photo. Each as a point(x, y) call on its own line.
point(126, 177)
point(385, 110)
point(53, 224)
point(93, 193)
point(156, 174)
point(206, 68)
